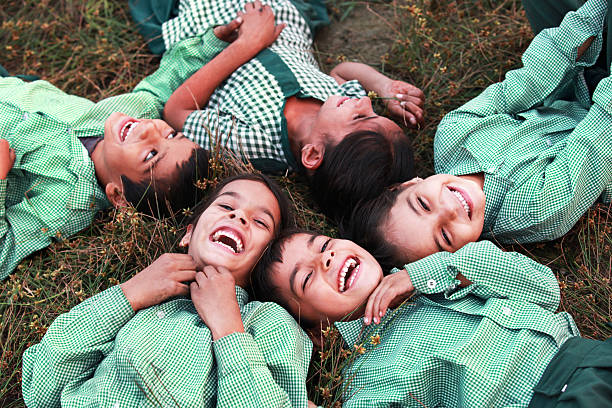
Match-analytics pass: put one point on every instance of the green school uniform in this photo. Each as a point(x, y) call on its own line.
point(543, 147)
point(102, 354)
point(245, 112)
point(485, 345)
point(52, 191)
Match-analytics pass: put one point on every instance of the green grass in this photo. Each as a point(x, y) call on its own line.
point(452, 50)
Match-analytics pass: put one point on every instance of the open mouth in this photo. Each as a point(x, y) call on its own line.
point(348, 273)
point(463, 199)
point(129, 126)
point(342, 100)
point(228, 239)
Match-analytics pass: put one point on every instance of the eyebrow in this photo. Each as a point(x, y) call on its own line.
point(237, 196)
point(295, 270)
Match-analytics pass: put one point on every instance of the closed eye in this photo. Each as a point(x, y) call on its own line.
point(324, 247)
point(422, 203)
point(446, 238)
point(306, 280)
point(226, 207)
point(263, 224)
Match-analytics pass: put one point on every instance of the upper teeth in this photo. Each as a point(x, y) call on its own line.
point(466, 207)
point(130, 127)
point(351, 262)
point(232, 236)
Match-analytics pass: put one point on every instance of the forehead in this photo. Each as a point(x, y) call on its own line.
point(167, 167)
point(253, 194)
point(294, 251)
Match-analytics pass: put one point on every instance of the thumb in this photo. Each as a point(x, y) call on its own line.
point(278, 29)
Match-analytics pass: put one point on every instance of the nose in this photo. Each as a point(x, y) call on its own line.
point(447, 211)
point(146, 130)
point(239, 215)
point(365, 104)
point(327, 258)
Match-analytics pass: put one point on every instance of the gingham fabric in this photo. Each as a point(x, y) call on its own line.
point(543, 147)
point(101, 354)
point(245, 113)
point(51, 191)
point(485, 345)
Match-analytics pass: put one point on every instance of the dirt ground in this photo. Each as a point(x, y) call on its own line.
point(363, 35)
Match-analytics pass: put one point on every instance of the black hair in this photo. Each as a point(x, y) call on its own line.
point(358, 168)
point(162, 198)
point(366, 228)
point(262, 287)
point(286, 214)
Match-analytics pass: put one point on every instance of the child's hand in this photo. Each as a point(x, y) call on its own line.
point(214, 295)
point(391, 291)
point(406, 101)
point(161, 280)
point(258, 29)
point(7, 158)
point(229, 31)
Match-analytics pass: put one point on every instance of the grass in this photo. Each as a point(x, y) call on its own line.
point(452, 50)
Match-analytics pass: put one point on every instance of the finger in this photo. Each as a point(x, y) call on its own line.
point(384, 302)
point(4, 147)
point(184, 275)
point(367, 319)
point(181, 261)
point(193, 287)
point(200, 278)
point(222, 270)
point(182, 289)
point(417, 101)
point(278, 29)
point(257, 5)
point(249, 6)
point(234, 24)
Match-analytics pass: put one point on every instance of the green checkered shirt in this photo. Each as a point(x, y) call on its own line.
point(485, 345)
point(101, 354)
point(544, 148)
point(51, 192)
point(245, 113)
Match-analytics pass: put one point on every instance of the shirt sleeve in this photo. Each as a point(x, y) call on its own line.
point(494, 273)
point(268, 370)
point(73, 346)
point(549, 66)
point(179, 63)
point(215, 130)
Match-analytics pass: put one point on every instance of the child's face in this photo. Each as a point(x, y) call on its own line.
point(235, 229)
point(133, 147)
point(341, 115)
point(325, 279)
point(440, 213)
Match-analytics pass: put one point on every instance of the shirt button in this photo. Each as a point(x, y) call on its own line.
point(548, 142)
point(160, 314)
point(431, 283)
point(68, 130)
point(25, 116)
point(506, 310)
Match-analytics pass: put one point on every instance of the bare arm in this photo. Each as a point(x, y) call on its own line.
point(402, 99)
point(256, 33)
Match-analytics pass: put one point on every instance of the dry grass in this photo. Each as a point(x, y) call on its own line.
point(452, 50)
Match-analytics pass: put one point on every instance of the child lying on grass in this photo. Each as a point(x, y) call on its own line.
point(142, 343)
point(522, 162)
point(480, 330)
point(64, 158)
point(254, 84)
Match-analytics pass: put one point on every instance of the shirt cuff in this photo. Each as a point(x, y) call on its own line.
point(236, 352)
point(211, 44)
point(112, 309)
point(432, 274)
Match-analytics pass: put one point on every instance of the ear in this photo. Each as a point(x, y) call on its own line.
point(114, 192)
point(187, 237)
point(312, 155)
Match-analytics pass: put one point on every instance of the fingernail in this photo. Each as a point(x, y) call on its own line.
point(380, 313)
point(366, 320)
point(403, 103)
point(239, 19)
point(399, 95)
point(376, 320)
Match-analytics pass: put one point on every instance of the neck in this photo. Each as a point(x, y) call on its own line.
point(477, 178)
point(300, 115)
point(98, 162)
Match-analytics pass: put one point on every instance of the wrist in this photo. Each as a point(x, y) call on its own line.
point(130, 293)
point(230, 322)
